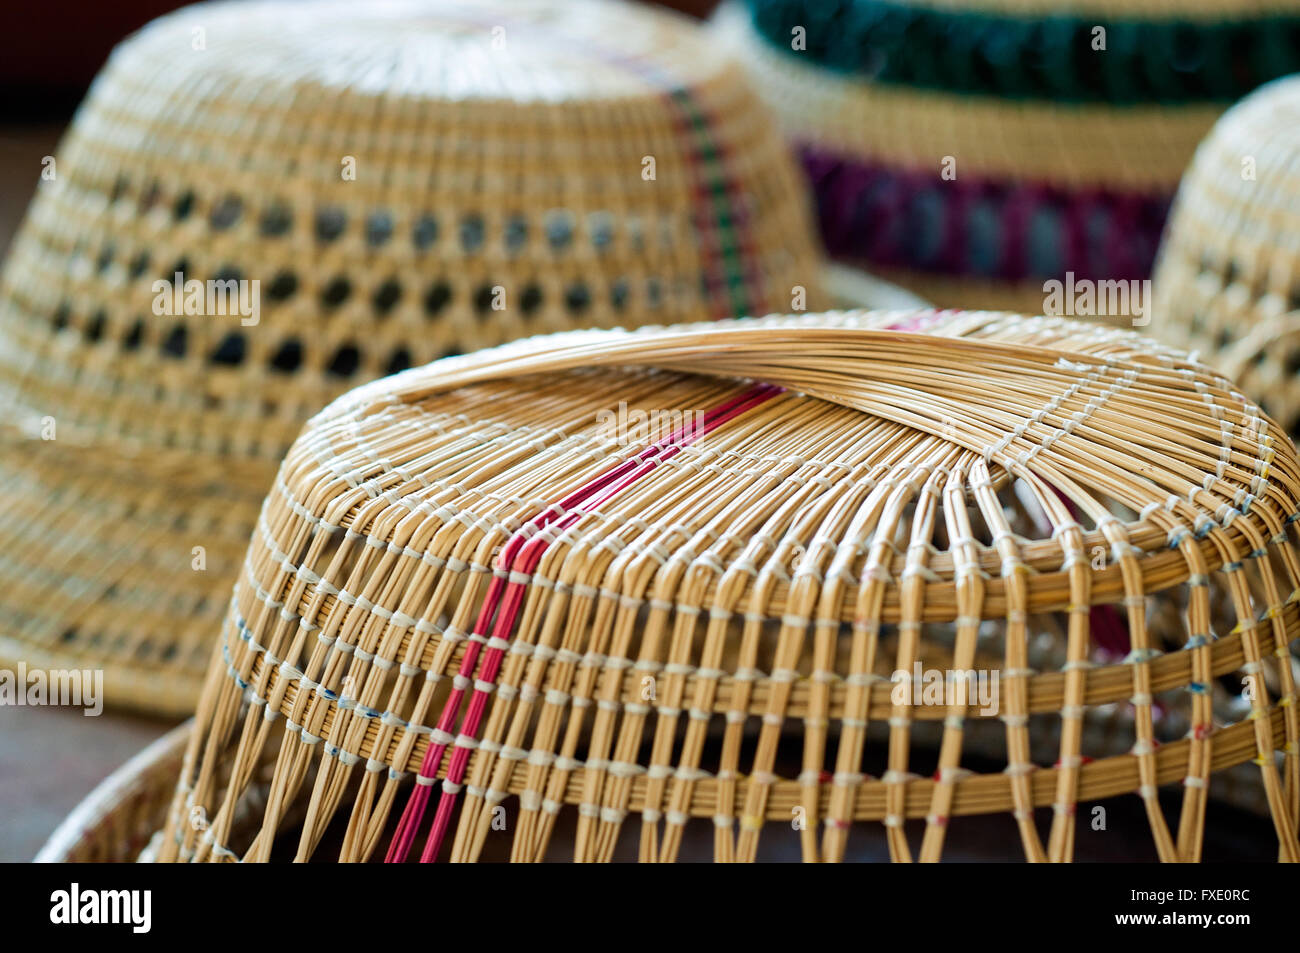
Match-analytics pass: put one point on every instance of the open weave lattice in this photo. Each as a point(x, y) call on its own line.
point(1227, 284)
point(404, 180)
point(463, 572)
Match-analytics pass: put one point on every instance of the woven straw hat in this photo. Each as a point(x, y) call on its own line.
point(633, 582)
point(973, 149)
point(381, 185)
point(1227, 282)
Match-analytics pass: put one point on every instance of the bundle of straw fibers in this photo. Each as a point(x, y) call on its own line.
point(614, 583)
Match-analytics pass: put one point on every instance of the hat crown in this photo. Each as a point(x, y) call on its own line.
point(262, 204)
point(616, 572)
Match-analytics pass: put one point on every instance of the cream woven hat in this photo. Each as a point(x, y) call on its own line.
point(585, 592)
point(974, 150)
point(1227, 281)
point(339, 190)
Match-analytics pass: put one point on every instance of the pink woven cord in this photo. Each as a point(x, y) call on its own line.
point(1109, 630)
point(920, 323)
point(527, 564)
point(522, 553)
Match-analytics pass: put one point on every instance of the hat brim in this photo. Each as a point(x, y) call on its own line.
point(119, 821)
point(117, 563)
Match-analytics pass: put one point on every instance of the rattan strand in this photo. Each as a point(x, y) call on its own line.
point(478, 166)
point(926, 485)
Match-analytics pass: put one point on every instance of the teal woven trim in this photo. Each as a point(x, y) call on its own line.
point(724, 234)
point(1151, 61)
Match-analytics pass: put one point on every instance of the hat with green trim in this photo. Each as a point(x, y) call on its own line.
point(976, 150)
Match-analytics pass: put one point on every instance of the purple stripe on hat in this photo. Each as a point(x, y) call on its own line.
point(883, 214)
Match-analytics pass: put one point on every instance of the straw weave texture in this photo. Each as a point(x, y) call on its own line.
point(402, 181)
point(1228, 280)
point(429, 594)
